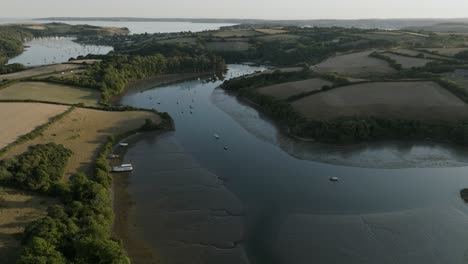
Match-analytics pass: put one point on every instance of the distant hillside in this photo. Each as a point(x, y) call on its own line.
point(358, 23)
point(454, 27)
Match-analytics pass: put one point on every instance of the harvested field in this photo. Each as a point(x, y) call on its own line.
point(178, 40)
point(85, 62)
point(418, 53)
point(17, 210)
point(50, 92)
point(84, 131)
point(286, 90)
point(236, 33)
point(55, 68)
point(228, 46)
point(21, 118)
point(354, 64)
point(402, 38)
point(408, 62)
point(278, 37)
point(448, 51)
point(404, 100)
point(65, 75)
point(271, 31)
point(460, 77)
point(289, 69)
point(35, 27)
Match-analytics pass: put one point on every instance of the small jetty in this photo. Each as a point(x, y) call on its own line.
point(123, 168)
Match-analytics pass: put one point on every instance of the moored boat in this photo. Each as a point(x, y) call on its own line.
point(123, 168)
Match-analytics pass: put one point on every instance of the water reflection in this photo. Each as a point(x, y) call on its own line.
point(389, 155)
point(42, 51)
point(293, 213)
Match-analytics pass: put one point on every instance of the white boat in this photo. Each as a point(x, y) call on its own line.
point(334, 179)
point(123, 168)
point(216, 136)
point(123, 144)
point(113, 156)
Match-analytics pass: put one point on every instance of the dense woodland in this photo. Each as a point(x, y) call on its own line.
point(11, 42)
point(113, 74)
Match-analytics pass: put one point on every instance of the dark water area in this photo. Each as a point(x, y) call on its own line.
point(194, 198)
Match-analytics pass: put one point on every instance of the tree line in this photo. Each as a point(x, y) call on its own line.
point(113, 74)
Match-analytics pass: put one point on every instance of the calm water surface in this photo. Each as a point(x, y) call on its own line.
point(134, 27)
point(50, 50)
point(292, 213)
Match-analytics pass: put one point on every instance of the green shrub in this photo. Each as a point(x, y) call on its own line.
point(39, 168)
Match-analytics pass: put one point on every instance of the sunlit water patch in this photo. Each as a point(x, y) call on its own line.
point(42, 51)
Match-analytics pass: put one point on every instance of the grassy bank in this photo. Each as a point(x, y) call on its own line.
point(77, 230)
point(347, 129)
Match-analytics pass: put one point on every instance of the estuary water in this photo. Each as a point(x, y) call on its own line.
point(224, 187)
point(53, 50)
point(134, 27)
point(43, 51)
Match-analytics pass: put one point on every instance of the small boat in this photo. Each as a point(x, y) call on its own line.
point(113, 156)
point(123, 144)
point(225, 148)
point(123, 168)
point(334, 179)
point(216, 136)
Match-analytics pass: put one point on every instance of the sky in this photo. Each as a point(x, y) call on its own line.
point(261, 9)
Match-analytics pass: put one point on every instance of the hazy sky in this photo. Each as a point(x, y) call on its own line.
point(268, 9)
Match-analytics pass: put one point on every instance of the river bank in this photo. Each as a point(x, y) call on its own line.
point(157, 81)
point(197, 221)
point(279, 194)
point(383, 155)
point(124, 227)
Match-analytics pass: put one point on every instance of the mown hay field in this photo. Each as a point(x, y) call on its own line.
point(49, 92)
point(84, 131)
point(228, 46)
point(271, 31)
point(401, 100)
point(408, 62)
point(357, 64)
point(21, 118)
point(236, 33)
point(49, 69)
point(447, 51)
point(286, 90)
point(17, 210)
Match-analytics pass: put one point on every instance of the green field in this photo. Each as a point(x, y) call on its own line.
point(47, 92)
point(228, 46)
point(236, 33)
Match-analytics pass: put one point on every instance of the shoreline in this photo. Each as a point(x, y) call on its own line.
point(123, 207)
point(156, 81)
